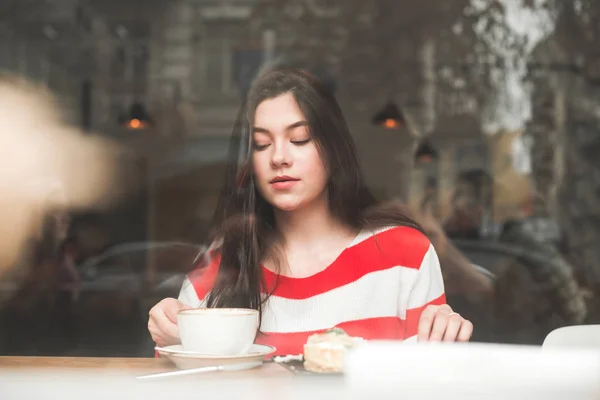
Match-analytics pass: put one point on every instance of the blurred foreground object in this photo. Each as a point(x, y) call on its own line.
point(49, 167)
point(374, 370)
point(471, 371)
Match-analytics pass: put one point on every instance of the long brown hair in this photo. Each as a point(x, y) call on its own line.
point(244, 222)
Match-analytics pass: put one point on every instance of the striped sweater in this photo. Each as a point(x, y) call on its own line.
point(375, 289)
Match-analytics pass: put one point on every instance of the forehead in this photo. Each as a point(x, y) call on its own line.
point(277, 112)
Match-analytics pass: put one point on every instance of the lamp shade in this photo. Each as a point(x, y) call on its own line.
point(389, 117)
point(425, 153)
point(137, 117)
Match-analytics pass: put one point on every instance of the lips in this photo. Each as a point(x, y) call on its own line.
point(283, 182)
point(284, 178)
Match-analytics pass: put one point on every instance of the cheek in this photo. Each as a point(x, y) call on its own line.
point(317, 170)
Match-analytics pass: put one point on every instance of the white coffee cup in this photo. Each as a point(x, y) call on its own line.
point(218, 331)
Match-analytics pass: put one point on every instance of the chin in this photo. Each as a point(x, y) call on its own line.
point(286, 206)
point(292, 202)
point(286, 203)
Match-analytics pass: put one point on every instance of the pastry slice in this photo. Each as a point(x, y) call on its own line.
point(326, 352)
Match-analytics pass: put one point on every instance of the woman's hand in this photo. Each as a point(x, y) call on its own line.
point(440, 323)
point(162, 323)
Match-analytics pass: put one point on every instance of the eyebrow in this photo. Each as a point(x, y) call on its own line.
point(258, 129)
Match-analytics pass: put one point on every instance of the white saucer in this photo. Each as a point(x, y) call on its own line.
point(188, 359)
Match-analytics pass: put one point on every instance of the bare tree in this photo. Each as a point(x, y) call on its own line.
point(566, 132)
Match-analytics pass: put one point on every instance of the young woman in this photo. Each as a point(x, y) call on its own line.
point(300, 238)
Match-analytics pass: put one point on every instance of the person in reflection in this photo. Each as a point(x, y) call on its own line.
point(299, 237)
point(471, 198)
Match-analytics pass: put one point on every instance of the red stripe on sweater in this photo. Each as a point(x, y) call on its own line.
point(400, 246)
point(203, 278)
point(373, 328)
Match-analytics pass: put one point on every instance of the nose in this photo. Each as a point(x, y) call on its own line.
point(281, 156)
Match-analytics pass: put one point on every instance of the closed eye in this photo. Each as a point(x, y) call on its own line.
point(260, 147)
point(301, 142)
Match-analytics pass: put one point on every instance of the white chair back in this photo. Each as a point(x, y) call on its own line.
point(578, 336)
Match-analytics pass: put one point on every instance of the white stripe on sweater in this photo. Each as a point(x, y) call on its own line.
point(429, 284)
point(366, 234)
point(373, 295)
point(188, 296)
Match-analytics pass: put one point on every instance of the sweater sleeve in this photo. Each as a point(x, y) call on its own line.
point(198, 283)
point(427, 289)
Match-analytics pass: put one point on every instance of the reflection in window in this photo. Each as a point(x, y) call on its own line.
point(117, 64)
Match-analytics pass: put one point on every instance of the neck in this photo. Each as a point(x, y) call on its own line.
point(307, 225)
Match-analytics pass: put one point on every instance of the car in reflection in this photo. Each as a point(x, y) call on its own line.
point(118, 288)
